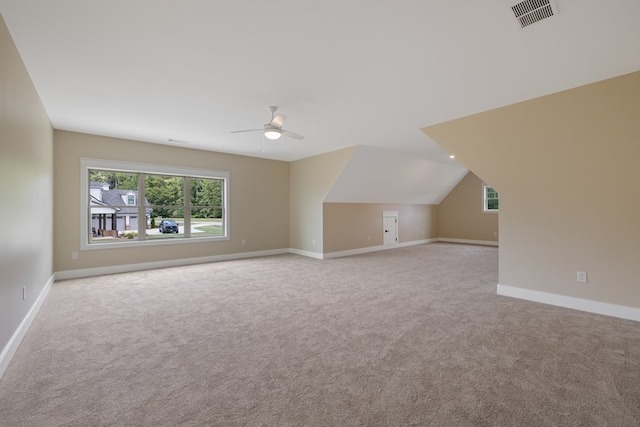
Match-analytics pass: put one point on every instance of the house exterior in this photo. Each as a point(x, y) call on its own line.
point(114, 210)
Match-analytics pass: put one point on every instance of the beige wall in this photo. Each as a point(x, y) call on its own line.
point(26, 191)
point(311, 180)
point(350, 226)
point(461, 214)
point(566, 167)
point(258, 200)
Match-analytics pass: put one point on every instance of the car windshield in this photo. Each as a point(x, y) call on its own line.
point(169, 222)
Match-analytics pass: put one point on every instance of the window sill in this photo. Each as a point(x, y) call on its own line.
point(130, 243)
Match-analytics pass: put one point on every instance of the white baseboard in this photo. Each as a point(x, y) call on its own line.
point(15, 340)
point(99, 271)
point(376, 248)
point(316, 255)
point(469, 242)
point(614, 310)
point(126, 268)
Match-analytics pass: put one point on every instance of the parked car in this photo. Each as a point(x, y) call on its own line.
point(168, 226)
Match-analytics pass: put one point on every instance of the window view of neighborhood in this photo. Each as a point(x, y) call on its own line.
point(115, 208)
point(491, 200)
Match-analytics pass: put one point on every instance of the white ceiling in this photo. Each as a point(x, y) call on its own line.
point(366, 72)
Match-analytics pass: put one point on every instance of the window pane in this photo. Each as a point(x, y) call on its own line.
point(111, 217)
point(206, 197)
point(206, 201)
point(164, 191)
point(491, 199)
point(114, 180)
point(165, 197)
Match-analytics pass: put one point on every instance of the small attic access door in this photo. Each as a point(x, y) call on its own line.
point(390, 227)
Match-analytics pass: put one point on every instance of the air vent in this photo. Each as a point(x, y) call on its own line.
point(531, 11)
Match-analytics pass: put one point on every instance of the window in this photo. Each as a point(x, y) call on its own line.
point(490, 199)
point(136, 204)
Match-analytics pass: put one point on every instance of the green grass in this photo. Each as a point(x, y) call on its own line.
point(215, 230)
point(207, 230)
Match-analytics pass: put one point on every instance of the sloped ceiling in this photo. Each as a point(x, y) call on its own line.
point(566, 167)
point(375, 175)
point(367, 73)
point(358, 72)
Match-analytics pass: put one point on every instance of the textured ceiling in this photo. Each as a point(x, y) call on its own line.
point(344, 72)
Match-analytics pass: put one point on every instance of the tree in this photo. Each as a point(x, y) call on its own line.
point(116, 180)
point(165, 195)
point(206, 198)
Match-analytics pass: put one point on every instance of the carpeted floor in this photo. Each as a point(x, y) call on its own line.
point(409, 336)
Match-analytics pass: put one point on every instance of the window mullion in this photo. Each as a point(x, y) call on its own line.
point(187, 206)
point(142, 208)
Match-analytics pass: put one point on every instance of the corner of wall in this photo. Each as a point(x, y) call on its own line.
point(310, 180)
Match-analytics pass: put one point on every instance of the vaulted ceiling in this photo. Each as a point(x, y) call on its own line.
point(345, 73)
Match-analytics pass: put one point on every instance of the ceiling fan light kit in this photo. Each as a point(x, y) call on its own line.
point(272, 133)
point(273, 130)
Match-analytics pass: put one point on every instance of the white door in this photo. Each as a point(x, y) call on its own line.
point(390, 225)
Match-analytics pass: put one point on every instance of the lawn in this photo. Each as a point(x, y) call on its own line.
point(207, 227)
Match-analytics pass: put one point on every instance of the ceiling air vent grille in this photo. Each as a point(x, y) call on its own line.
point(531, 11)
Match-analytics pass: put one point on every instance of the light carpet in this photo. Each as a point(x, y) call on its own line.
point(409, 336)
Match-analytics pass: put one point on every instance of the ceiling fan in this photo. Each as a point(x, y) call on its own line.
point(273, 129)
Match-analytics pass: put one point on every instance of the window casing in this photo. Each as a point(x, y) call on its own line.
point(196, 198)
point(490, 199)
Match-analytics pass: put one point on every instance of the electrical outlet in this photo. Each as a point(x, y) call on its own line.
point(243, 242)
point(313, 242)
point(24, 293)
point(74, 255)
point(495, 233)
point(368, 237)
point(582, 276)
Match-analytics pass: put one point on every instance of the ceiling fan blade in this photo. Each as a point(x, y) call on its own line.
point(248, 130)
point(292, 134)
point(278, 121)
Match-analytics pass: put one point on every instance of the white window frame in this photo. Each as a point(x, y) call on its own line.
point(485, 200)
point(87, 164)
